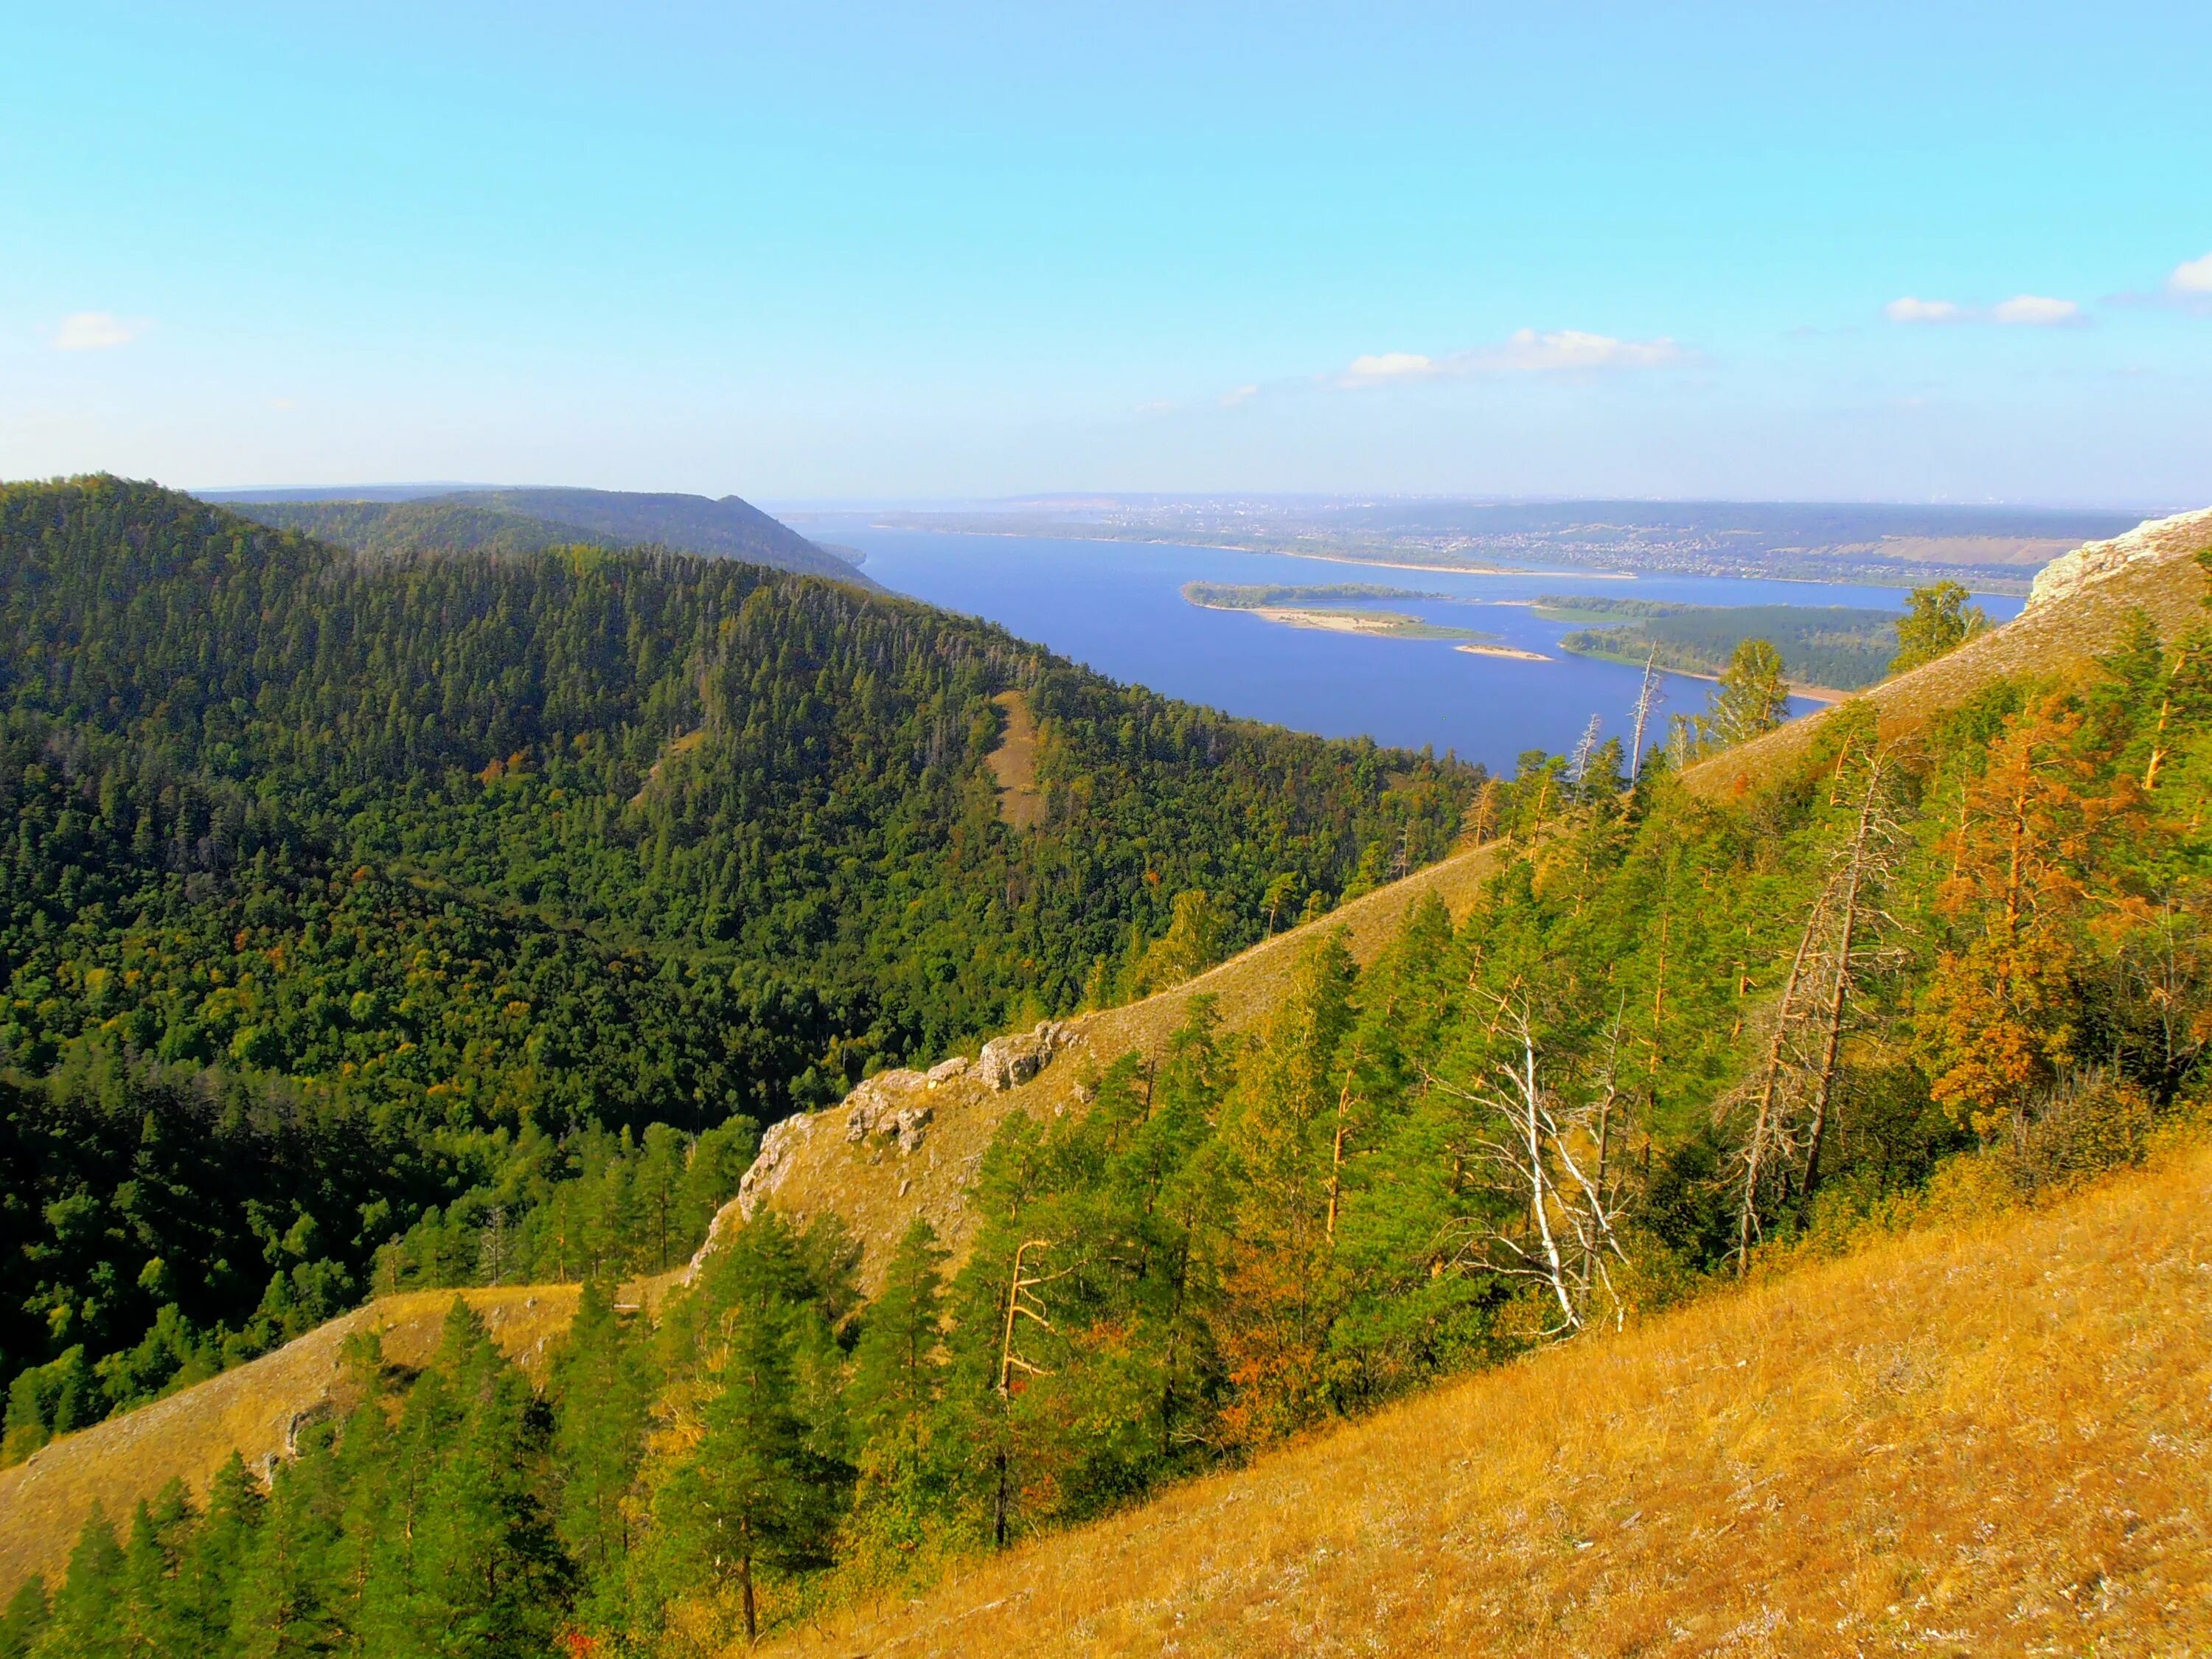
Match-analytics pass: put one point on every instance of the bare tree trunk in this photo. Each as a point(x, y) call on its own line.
point(1336, 1149)
point(1539, 1188)
point(1769, 1089)
point(1832, 1039)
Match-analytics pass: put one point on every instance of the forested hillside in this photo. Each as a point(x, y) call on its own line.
point(531, 520)
point(1684, 1035)
point(432, 919)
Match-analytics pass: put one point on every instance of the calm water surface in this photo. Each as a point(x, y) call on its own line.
point(1117, 607)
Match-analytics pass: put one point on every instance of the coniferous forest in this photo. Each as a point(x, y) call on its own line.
point(1679, 1040)
point(386, 920)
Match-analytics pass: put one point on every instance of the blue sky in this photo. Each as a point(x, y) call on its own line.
point(846, 250)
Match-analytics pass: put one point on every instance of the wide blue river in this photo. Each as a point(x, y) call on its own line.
point(1118, 607)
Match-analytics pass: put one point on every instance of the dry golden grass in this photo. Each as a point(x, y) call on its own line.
point(43, 1502)
point(1013, 764)
point(1993, 1439)
point(877, 1192)
point(191, 1434)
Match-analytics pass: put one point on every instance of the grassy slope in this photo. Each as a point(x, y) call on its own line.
point(1988, 1438)
point(44, 1502)
point(877, 1192)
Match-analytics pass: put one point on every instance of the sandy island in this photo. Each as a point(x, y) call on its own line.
point(1513, 652)
point(1372, 623)
point(1368, 624)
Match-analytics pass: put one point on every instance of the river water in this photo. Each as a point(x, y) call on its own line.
point(1117, 607)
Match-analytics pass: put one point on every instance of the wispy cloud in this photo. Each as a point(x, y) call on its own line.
point(1911, 309)
point(2036, 310)
point(2022, 311)
point(1236, 395)
point(95, 330)
point(1522, 352)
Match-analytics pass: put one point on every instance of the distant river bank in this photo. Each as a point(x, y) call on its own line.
point(1118, 607)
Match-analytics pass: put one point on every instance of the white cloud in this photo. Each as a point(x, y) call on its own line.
point(1236, 395)
point(93, 330)
point(1911, 310)
point(2192, 279)
point(2036, 310)
point(1522, 352)
point(1390, 366)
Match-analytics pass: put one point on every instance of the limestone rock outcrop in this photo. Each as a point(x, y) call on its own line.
point(879, 1101)
point(1009, 1061)
point(2153, 538)
point(778, 1147)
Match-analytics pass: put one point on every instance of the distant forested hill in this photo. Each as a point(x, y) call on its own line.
point(531, 520)
point(1836, 646)
point(423, 887)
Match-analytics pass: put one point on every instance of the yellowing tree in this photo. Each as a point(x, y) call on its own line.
point(1998, 1015)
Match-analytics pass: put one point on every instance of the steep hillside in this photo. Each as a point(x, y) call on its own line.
point(2078, 611)
point(1989, 1438)
point(461, 900)
point(255, 1410)
point(820, 1168)
point(532, 520)
point(1771, 1006)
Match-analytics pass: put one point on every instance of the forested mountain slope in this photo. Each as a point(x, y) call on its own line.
point(1947, 946)
point(532, 520)
point(827, 1173)
point(365, 915)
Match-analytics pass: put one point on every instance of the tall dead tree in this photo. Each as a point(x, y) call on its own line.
point(1578, 766)
point(1647, 698)
point(1792, 1095)
point(1865, 867)
point(1022, 1302)
point(1549, 1154)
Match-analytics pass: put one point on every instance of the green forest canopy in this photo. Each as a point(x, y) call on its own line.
point(532, 520)
point(424, 886)
point(1674, 1039)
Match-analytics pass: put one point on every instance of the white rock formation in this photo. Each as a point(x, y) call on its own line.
point(778, 1148)
point(2153, 538)
point(1007, 1062)
point(878, 1100)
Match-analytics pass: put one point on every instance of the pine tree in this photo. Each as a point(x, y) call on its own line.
point(213, 1561)
point(1752, 696)
point(145, 1615)
point(601, 1391)
point(752, 1495)
point(897, 1380)
point(25, 1619)
point(280, 1611)
point(472, 1564)
point(84, 1624)
point(1280, 1129)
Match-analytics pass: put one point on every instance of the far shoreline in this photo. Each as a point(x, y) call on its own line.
point(1821, 694)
